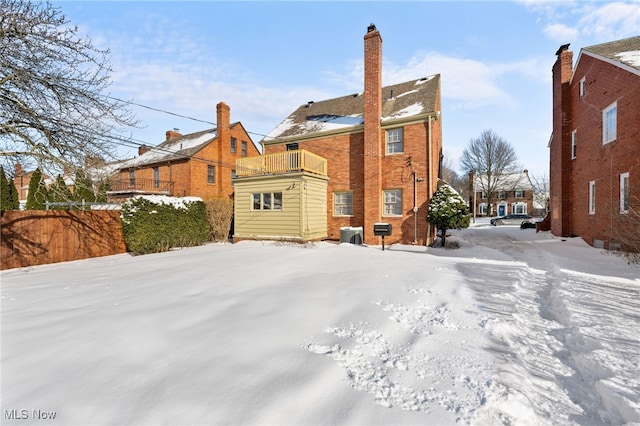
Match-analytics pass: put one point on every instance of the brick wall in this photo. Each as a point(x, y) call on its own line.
point(595, 161)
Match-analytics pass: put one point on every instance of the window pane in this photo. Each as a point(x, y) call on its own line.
point(211, 174)
point(609, 123)
point(266, 201)
point(255, 199)
point(343, 204)
point(244, 149)
point(233, 145)
point(392, 202)
point(394, 141)
point(277, 201)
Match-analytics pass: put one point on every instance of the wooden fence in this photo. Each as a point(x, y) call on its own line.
point(39, 237)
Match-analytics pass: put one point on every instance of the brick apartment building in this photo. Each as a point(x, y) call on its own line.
point(383, 149)
point(595, 145)
point(199, 164)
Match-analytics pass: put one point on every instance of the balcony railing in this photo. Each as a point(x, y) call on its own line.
point(281, 162)
point(140, 186)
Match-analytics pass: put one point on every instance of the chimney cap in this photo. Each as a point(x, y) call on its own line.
point(371, 28)
point(562, 48)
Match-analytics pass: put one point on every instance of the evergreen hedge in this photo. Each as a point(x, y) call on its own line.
point(157, 224)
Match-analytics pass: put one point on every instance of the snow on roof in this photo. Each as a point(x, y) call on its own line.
point(507, 182)
point(409, 111)
point(182, 147)
point(401, 100)
point(630, 58)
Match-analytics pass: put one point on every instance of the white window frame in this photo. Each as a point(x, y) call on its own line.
point(266, 201)
point(519, 193)
point(624, 192)
point(392, 202)
point(395, 141)
point(592, 197)
point(519, 208)
point(583, 84)
point(610, 123)
point(502, 194)
point(482, 208)
point(574, 144)
point(343, 203)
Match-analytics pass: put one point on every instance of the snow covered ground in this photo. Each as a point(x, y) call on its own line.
point(515, 327)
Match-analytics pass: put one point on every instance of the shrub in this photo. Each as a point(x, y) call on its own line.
point(153, 224)
point(219, 215)
point(447, 210)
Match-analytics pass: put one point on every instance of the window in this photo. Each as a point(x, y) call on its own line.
point(592, 197)
point(483, 195)
point(343, 203)
point(609, 123)
point(233, 145)
point(482, 208)
point(233, 176)
point(244, 149)
point(582, 86)
point(519, 208)
point(266, 201)
point(392, 200)
point(292, 146)
point(132, 178)
point(156, 177)
point(502, 194)
point(519, 193)
point(395, 141)
point(574, 144)
point(624, 193)
point(211, 174)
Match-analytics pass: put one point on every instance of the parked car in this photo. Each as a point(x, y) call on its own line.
point(510, 219)
point(528, 224)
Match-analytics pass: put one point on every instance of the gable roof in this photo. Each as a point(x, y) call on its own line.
point(624, 53)
point(409, 99)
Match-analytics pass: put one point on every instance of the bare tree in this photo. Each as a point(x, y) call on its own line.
point(626, 232)
point(541, 192)
point(54, 109)
point(453, 179)
point(493, 162)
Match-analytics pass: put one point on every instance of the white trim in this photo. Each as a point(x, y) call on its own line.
point(610, 130)
point(592, 197)
point(624, 195)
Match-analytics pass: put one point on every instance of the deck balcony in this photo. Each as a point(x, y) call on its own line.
point(281, 162)
point(138, 186)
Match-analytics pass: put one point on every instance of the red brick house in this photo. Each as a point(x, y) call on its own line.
point(513, 195)
point(199, 164)
point(382, 147)
point(595, 145)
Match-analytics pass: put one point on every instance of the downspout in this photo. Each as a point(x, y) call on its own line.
point(429, 174)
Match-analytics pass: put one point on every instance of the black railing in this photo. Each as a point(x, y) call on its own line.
point(137, 185)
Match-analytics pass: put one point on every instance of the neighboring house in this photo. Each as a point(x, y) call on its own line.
point(513, 195)
point(199, 164)
point(22, 179)
point(595, 145)
point(382, 150)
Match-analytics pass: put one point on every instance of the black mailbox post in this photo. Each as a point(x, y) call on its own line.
point(382, 230)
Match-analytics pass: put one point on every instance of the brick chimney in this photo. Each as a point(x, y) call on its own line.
point(145, 148)
point(172, 134)
point(560, 165)
point(223, 121)
point(373, 136)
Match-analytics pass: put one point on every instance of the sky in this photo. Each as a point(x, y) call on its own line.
point(266, 58)
point(513, 328)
